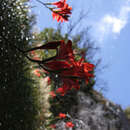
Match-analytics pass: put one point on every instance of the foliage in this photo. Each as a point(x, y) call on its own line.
point(127, 112)
point(18, 95)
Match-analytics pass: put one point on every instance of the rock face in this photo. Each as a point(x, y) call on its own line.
point(95, 113)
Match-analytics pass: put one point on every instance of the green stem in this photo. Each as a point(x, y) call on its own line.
point(44, 4)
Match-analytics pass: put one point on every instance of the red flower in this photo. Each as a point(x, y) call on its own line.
point(68, 84)
point(79, 70)
point(37, 72)
point(52, 93)
point(53, 126)
point(88, 67)
point(59, 17)
point(61, 91)
point(62, 14)
point(62, 115)
point(65, 51)
point(69, 70)
point(49, 81)
point(66, 10)
point(58, 65)
point(64, 89)
point(59, 4)
point(69, 124)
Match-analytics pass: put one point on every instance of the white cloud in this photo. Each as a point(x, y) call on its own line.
point(113, 24)
point(116, 24)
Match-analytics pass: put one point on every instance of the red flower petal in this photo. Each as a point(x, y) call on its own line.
point(62, 115)
point(61, 14)
point(59, 4)
point(58, 65)
point(61, 91)
point(59, 17)
point(66, 52)
point(69, 124)
point(49, 81)
point(52, 93)
point(37, 72)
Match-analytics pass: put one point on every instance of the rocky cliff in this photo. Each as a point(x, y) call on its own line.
point(94, 112)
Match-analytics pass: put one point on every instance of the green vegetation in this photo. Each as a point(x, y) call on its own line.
point(127, 112)
point(18, 93)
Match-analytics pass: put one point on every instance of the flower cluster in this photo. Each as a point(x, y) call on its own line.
point(61, 10)
point(68, 124)
point(64, 64)
point(68, 69)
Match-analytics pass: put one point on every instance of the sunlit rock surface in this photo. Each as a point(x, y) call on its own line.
point(94, 112)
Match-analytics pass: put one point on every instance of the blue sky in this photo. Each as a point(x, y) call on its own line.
point(111, 32)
